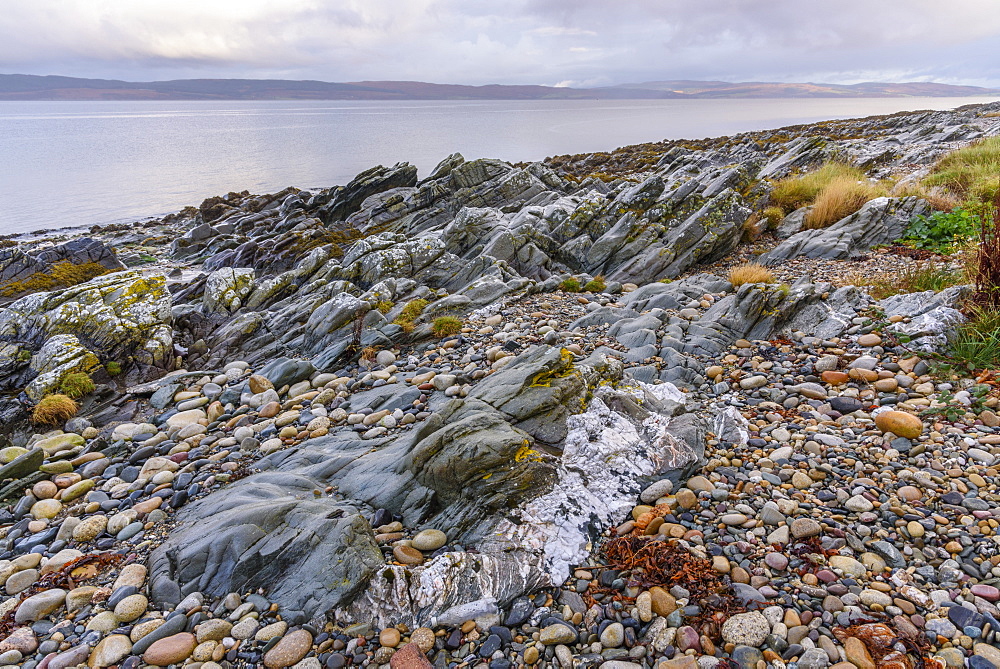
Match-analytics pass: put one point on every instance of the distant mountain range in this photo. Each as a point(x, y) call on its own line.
point(32, 87)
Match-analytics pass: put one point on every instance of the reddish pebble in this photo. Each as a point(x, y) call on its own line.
point(410, 657)
point(987, 592)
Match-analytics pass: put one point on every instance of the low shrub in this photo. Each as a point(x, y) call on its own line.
point(75, 385)
point(840, 197)
point(973, 171)
point(445, 326)
point(595, 285)
point(54, 410)
point(943, 230)
point(413, 309)
point(750, 273)
point(987, 262)
point(570, 285)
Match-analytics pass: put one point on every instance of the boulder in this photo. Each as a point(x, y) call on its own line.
point(227, 288)
point(60, 266)
point(122, 317)
point(464, 471)
point(880, 221)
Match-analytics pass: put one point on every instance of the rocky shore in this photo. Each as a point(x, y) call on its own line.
point(502, 416)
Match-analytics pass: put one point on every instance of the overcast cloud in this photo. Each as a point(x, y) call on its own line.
point(568, 42)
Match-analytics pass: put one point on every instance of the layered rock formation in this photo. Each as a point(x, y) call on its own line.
point(276, 385)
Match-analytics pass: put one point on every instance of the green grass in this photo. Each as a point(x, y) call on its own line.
point(570, 285)
point(973, 171)
point(917, 280)
point(977, 342)
point(410, 313)
point(113, 368)
point(445, 326)
point(75, 385)
point(595, 285)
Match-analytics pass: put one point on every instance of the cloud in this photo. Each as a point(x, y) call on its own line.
point(519, 41)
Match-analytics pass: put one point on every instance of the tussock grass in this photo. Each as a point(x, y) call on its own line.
point(750, 273)
point(595, 285)
point(839, 198)
point(772, 217)
point(798, 191)
point(973, 171)
point(75, 385)
point(54, 410)
point(570, 285)
point(445, 326)
point(936, 196)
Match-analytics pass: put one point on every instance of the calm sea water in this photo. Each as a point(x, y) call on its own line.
point(81, 163)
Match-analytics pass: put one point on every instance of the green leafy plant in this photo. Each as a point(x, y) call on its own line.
point(950, 409)
point(445, 326)
point(943, 230)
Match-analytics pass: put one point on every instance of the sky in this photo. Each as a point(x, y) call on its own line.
point(550, 42)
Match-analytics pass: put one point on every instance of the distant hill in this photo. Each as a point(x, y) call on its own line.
point(32, 87)
point(760, 89)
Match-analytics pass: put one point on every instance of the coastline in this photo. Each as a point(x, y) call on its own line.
point(435, 418)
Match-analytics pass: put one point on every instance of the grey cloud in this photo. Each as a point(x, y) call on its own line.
point(518, 41)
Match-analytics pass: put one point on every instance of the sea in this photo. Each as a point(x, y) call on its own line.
point(71, 164)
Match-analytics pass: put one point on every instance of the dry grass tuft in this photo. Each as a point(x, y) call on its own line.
point(839, 198)
point(793, 192)
point(54, 410)
point(937, 197)
point(750, 273)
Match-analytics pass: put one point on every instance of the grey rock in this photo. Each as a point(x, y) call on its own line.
point(880, 221)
